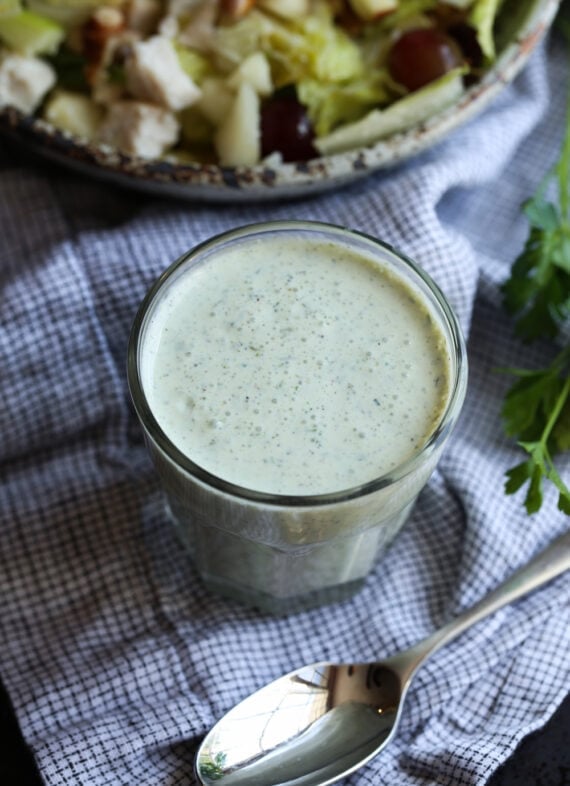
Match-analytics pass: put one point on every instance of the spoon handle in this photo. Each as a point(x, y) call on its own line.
point(548, 564)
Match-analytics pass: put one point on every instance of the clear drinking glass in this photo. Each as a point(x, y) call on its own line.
point(285, 553)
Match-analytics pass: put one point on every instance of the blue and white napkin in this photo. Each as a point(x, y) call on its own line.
point(116, 658)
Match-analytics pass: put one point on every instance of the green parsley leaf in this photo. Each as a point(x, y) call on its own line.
point(536, 409)
point(70, 68)
point(537, 292)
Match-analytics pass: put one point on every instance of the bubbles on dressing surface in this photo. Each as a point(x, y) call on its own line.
point(295, 366)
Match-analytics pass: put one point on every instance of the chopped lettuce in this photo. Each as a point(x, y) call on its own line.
point(403, 114)
point(194, 64)
point(330, 104)
point(482, 17)
point(461, 4)
point(9, 7)
point(310, 47)
point(329, 52)
point(66, 12)
point(234, 43)
point(404, 16)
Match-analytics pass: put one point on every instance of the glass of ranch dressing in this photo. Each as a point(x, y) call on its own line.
point(296, 383)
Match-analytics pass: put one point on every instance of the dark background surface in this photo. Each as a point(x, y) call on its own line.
point(542, 758)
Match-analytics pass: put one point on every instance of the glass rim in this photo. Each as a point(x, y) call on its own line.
point(152, 428)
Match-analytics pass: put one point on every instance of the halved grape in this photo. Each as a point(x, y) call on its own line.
point(286, 128)
point(421, 55)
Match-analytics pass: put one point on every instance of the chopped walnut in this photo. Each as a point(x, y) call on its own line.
point(233, 10)
point(105, 23)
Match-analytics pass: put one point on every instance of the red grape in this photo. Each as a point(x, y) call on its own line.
point(419, 56)
point(286, 129)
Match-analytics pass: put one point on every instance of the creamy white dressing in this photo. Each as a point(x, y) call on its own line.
point(292, 365)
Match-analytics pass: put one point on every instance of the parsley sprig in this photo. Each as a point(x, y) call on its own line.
point(539, 286)
point(536, 410)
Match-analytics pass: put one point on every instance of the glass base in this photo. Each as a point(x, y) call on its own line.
point(287, 579)
point(282, 606)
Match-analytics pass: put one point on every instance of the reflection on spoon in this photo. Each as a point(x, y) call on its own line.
point(309, 710)
point(323, 721)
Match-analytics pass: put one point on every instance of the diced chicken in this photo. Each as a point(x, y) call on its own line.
point(139, 129)
point(153, 73)
point(24, 81)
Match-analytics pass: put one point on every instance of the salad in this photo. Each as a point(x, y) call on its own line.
point(234, 82)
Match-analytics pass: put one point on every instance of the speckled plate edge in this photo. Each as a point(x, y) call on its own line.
point(211, 183)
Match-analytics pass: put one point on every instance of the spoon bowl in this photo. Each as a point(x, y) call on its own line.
point(321, 722)
point(293, 724)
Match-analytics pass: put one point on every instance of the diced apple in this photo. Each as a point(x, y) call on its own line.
point(68, 13)
point(256, 71)
point(237, 140)
point(287, 9)
point(74, 112)
point(215, 100)
point(30, 34)
point(371, 9)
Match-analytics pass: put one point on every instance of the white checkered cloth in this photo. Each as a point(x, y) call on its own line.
point(116, 658)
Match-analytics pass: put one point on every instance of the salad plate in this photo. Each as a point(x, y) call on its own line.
point(342, 154)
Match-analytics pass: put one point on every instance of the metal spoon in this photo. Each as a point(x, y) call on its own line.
point(323, 721)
